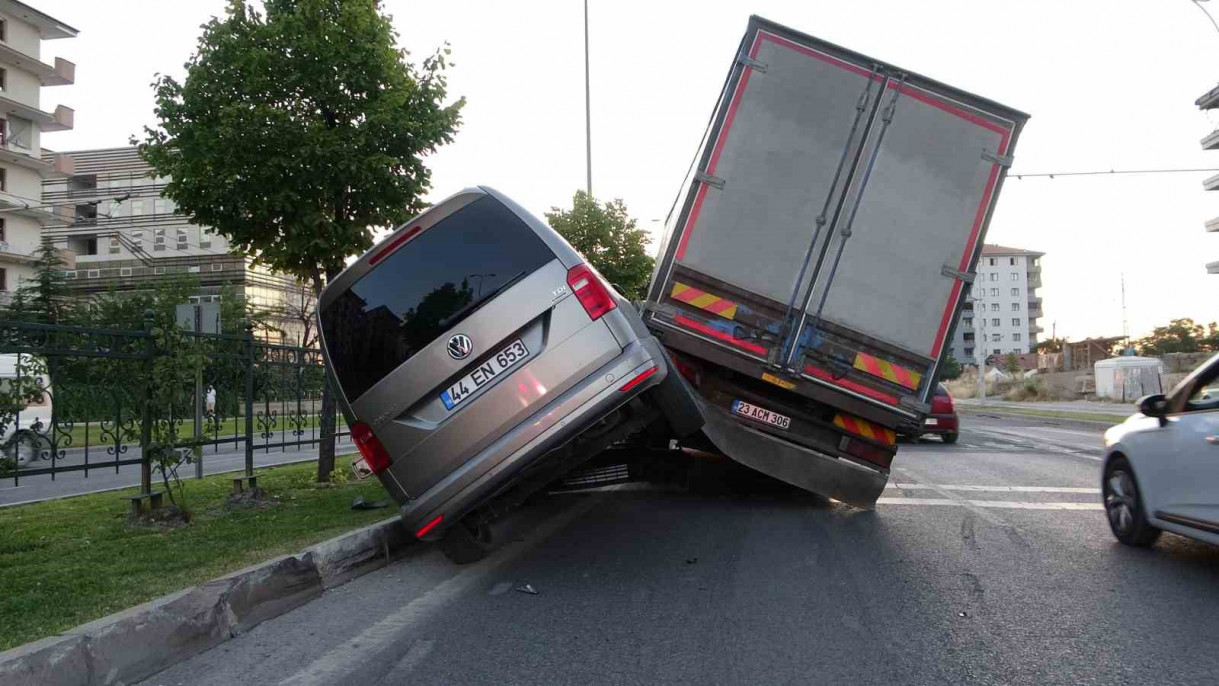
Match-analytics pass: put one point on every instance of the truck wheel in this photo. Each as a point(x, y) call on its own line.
point(467, 541)
point(24, 448)
point(950, 437)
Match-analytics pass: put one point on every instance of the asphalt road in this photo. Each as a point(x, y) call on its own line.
point(216, 459)
point(988, 562)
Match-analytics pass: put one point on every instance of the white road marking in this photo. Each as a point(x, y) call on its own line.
point(413, 657)
point(949, 495)
point(999, 489)
point(995, 504)
point(341, 660)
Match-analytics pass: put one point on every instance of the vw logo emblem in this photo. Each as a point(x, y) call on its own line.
point(460, 346)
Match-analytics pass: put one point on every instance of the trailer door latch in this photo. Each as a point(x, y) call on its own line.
point(709, 180)
point(954, 273)
point(1001, 160)
point(752, 63)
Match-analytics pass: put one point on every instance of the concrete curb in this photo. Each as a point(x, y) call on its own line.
point(1081, 423)
point(134, 644)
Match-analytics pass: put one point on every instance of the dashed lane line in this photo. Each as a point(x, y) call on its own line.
point(998, 489)
point(990, 504)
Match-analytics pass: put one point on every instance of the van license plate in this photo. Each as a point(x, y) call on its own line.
point(761, 414)
point(499, 363)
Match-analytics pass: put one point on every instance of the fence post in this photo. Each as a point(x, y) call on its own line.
point(146, 414)
point(249, 403)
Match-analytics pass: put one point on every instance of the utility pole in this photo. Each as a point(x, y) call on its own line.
point(1125, 330)
point(588, 112)
point(980, 349)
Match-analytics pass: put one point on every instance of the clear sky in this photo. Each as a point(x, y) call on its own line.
point(1109, 84)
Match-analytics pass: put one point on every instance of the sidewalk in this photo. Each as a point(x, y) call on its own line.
point(1080, 410)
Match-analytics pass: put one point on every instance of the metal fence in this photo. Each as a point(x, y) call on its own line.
point(76, 399)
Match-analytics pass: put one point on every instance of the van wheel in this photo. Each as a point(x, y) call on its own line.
point(467, 541)
point(24, 448)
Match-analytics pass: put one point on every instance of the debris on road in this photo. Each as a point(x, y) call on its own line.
point(360, 504)
point(527, 588)
point(691, 560)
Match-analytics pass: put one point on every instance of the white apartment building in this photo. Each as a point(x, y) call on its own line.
point(23, 75)
point(1000, 315)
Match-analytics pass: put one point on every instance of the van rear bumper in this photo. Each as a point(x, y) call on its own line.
point(566, 417)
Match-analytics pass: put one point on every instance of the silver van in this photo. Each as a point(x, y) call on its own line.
point(479, 358)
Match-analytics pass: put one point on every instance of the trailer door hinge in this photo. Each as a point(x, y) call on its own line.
point(1001, 160)
point(954, 273)
point(713, 181)
point(752, 63)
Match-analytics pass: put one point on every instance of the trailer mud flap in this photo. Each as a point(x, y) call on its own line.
point(821, 474)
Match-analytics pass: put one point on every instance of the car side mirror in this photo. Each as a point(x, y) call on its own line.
point(1154, 405)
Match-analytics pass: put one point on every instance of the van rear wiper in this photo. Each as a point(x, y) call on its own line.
point(483, 299)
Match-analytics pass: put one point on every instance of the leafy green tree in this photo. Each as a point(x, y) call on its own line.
point(297, 132)
point(1179, 336)
point(609, 239)
point(1011, 363)
point(951, 369)
point(1050, 345)
point(45, 298)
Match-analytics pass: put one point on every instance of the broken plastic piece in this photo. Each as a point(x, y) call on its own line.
point(360, 504)
point(527, 588)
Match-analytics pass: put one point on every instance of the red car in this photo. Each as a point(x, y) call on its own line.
point(942, 420)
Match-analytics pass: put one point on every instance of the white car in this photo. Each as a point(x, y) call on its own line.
point(1161, 468)
point(24, 428)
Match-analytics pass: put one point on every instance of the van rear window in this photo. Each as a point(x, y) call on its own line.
point(425, 288)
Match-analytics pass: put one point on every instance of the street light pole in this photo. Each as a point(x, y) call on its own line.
point(588, 113)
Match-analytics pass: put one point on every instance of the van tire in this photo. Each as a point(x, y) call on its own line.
point(467, 541)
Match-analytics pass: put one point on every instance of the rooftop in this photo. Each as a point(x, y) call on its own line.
point(989, 250)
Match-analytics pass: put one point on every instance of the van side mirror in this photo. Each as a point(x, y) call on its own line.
point(1154, 405)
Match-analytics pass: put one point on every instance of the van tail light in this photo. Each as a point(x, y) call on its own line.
point(375, 454)
point(590, 290)
point(640, 378)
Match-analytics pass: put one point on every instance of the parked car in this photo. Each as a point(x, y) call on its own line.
point(478, 358)
point(24, 425)
point(942, 421)
point(1161, 466)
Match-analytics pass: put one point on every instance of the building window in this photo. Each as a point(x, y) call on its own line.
point(1015, 307)
point(137, 237)
point(994, 307)
point(205, 239)
point(969, 337)
point(137, 207)
point(994, 276)
point(124, 271)
point(994, 292)
point(1012, 261)
point(3, 231)
point(92, 273)
point(969, 352)
point(3, 29)
point(217, 266)
point(994, 322)
point(182, 239)
point(114, 245)
point(3, 79)
point(158, 270)
point(69, 274)
point(969, 307)
point(1015, 276)
point(1016, 292)
point(3, 179)
point(996, 337)
point(1015, 337)
point(160, 206)
point(998, 351)
point(968, 321)
point(3, 279)
point(991, 261)
point(1015, 321)
point(158, 239)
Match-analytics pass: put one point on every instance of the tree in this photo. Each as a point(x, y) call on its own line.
point(1050, 345)
point(608, 238)
point(297, 132)
point(951, 369)
point(1011, 363)
point(45, 298)
point(1180, 336)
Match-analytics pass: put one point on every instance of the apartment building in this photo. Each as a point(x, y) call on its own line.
point(23, 167)
point(1000, 315)
point(125, 235)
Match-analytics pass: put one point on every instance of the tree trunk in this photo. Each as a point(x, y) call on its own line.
point(325, 449)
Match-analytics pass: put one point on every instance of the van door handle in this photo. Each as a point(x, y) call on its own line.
point(1212, 439)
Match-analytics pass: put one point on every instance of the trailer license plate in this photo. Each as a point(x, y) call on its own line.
point(761, 414)
point(501, 362)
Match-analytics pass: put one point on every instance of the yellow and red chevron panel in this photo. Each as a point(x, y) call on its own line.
point(703, 300)
point(866, 429)
point(888, 371)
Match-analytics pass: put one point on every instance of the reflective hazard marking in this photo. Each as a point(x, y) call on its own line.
point(888, 371)
point(703, 300)
point(862, 427)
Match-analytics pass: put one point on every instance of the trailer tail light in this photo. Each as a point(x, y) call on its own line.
point(375, 454)
point(592, 293)
point(866, 451)
point(423, 530)
point(643, 376)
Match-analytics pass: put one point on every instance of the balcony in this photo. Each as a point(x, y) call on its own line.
point(1212, 268)
point(24, 207)
point(59, 120)
point(1212, 224)
point(1211, 142)
point(1211, 184)
point(62, 73)
point(1210, 100)
point(59, 166)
